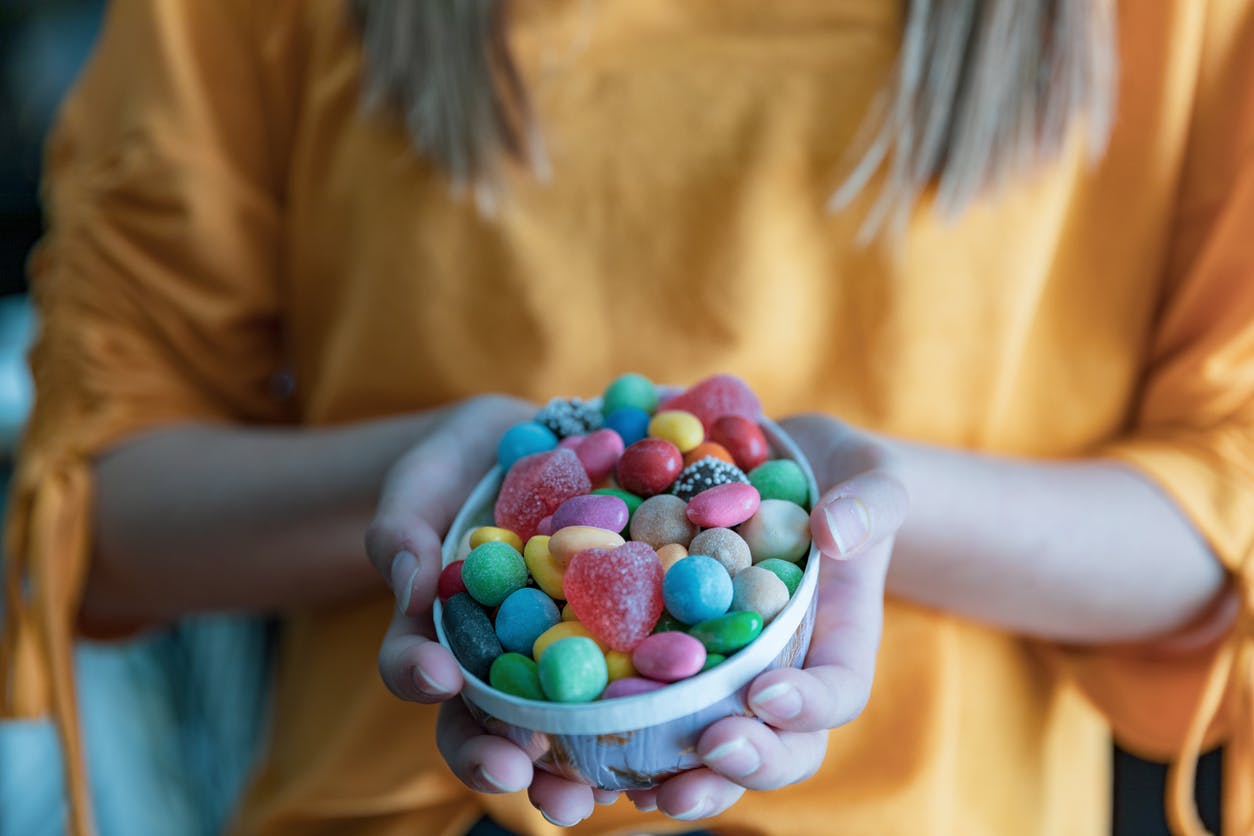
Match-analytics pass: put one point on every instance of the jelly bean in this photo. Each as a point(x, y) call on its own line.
point(616, 594)
point(564, 544)
point(711, 449)
point(619, 665)
point(630, 423)
point(599, 451)
point(470, 634)
point(728, 633)
point(629, 687)
point(781, 479)
point(711, 660)
point(632, 501)
point(649, 466)
point(450, 582)
point(722, 394)
point(669, 657)
point(634, 390)
point(493, 534)
point(697, 589)
point(670, 554)
point(463, 547)
point(573, 670)
point(667, 622)
point(570, 416)
point(724, 505)
point(569, 615)
point(524, 615)
point(523, 440)
point(492, 571)
point(661, 520)
point(535, 486)
point(789, 573)
point(546, 571)
point(759, 590)
point(683, 429)
point(743, 438)
point(725, 546)
point(704, 474)
point(595, 510)
point(517, 675)
point(778, 529)
point(545, 526)
point(563, 630)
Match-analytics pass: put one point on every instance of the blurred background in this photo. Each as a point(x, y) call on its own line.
point(166, 760)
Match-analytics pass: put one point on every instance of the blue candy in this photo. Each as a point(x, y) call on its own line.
point(696, 589)
point(523, 440)
point(630, 422)
point(523, 616)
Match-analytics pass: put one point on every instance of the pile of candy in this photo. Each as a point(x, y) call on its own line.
point(667, 530)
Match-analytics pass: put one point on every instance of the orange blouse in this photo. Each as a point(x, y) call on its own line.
point(222, 211)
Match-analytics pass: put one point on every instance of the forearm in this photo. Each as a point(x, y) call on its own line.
point(1086, 551)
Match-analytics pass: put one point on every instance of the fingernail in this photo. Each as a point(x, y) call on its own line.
point(645, 808)
point(557, 823)
point(780, 701)
point(483, 776)
point(428, 685)
point(404, 570)
point(736, 758)
point(694, 812)
point(849, 523)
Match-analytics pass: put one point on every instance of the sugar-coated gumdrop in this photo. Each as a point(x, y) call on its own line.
point(617, 594)
point(722, 394)
point(535, 486)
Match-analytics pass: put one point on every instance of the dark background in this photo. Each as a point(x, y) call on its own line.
point(42, 45)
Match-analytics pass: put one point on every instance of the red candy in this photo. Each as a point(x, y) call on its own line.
point(743, 439)
point(450, 582)
point(616, 594)
point(535, 486)
point(649, 466)
point(722, 394)
point(599, 451)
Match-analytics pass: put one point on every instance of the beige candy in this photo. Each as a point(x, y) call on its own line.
point(661, 520)
point(725, 546)
point(759, 590)
point(575, 538)
point(670, 554)
point(779, 529)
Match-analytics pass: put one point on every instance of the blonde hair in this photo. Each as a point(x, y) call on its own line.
point(983, 91)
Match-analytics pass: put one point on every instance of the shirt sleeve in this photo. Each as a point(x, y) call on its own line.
point(157, 293)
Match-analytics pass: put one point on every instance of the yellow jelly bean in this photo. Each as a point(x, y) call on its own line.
point(562, 630)
point(683, 429)
point(546, 571)
point(670, 554)
point(490, 534)
point(619, 664)
point(576, 538)
point(568, 614)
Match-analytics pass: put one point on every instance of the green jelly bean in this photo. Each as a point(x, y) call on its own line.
point(789, 573)
point(492, 571)
point(781, 479)
point(516, 674)
point(632, 501)
point(728, 633)
point(630, 390)
point(573, 670)
point(712, 659)
point(667, 623)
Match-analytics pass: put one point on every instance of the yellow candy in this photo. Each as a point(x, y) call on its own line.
point(547, 572)
point(568, 614)
point(562, 630)
point(619, 664)
point(683, 429)
point(671, 554)
point(576, 538)
point(490, 534)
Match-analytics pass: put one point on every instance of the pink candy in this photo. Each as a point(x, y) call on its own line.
point(714, 397)
point(535, 486)
point(629, 686)
point(669, 656)
point(599, 452)
point(616, 594)
point(724, 506)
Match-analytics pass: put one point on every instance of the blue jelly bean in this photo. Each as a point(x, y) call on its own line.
point(630, 422)
point(696, 589)
point(523, 616)
point(523, 440)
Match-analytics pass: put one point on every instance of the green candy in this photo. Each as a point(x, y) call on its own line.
point(516, 674)
point(712, 659)
point(669, 623)
point(630, 499)
point(573, 670)
point(728, 633)
point(781, 479)
point(492, 571)
point(630, 390)
point(789, 573)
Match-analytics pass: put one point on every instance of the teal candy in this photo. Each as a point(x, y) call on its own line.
point(631, 423)
point(573, 670)
point(517, 675)
point(697, 588)
point(781, 479)
point(492, 571)
point(523, 440)
point(789, 573)
point(523, 616)
point(728, 633)
point(633, 502)
point(633, 390)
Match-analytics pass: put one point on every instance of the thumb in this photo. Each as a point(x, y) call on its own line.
point(859, 514)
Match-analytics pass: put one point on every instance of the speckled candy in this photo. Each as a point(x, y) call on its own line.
point(524, 616)
point(599, 452)
point(523, 440)
point(649, 466)
point(761, 591)
point(492, 571)
point(616, 594)
point(725, 546)
point(781, 479)
point(789, 573)
point(535, 486)
point(630, 423)
point(779, 529)
point(517, 675)
point(743, 438)
point(575, 538)
point(450, 581)
point(683, 429)
point(661, 520)
point(470, 635)
point(697, 589)
point(633, 390)
point(722, 394)
point(723, 506)
point(704, 474)
point(630, 686)
point(573, 670)
point(669, 657)
point(595, 510)
point(569, 416)
point(728, 633)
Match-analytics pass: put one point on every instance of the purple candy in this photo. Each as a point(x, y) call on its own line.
point(629, 686)
point(669, 656)
point(596, 510)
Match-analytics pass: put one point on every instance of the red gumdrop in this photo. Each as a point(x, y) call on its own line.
point(722, 394)
point(450, 582)
point(599, 451)
point(649, 466)
point(742, 438)
point(535, 486)
point(616, 593)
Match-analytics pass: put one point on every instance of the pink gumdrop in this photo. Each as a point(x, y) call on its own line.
point(722, 394)
point(571, 442)
point(535, 486)
point(669, 656)
point(545, 526)
point(724, 506)
point(616, 594)
point(629, 686)
point(599, 451)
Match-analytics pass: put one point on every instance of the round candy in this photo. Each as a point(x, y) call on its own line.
point(697, 589)
point(708, 449)
point(704, 474)
point(629, 390)
point(781, 479)
point(670, 554)
point(616, 594)
point(630, 423)
point(570, 416)
point(722, 394)
point(649, 466)
point(450, 582)
point(661, 520)
point(562, 630)
point(629, 686)
point(535, 486)
point(523, 440)
point(743, 438)
point(492, 571)
point(725, 546)
point(524, 615)
point(573, 670)
point(683, 429)
point(759, 590)
point(669, 657)
point(491, 533)
point(595, 510)
point(618, 664)
point(599, 451)
point(728, 633)
point(723, 505)
point(632, 501)
point(564, 544)
point(789, 573)
point(544, 568)
point(470, 634)
point(778, 529)
point(516, 674)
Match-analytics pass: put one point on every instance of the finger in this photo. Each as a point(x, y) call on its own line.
point(413, 666)
point(483, 762)
point(755, 756)
point(859, 513)
point(564, 803)
point(645, 800)
point(604, 797)
point(697, 794)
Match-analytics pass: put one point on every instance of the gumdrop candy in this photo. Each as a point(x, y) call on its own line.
point(714, 397)
point(616, 594)
point(535, 486)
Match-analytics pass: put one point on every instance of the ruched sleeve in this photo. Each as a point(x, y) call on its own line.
point(157, 292)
